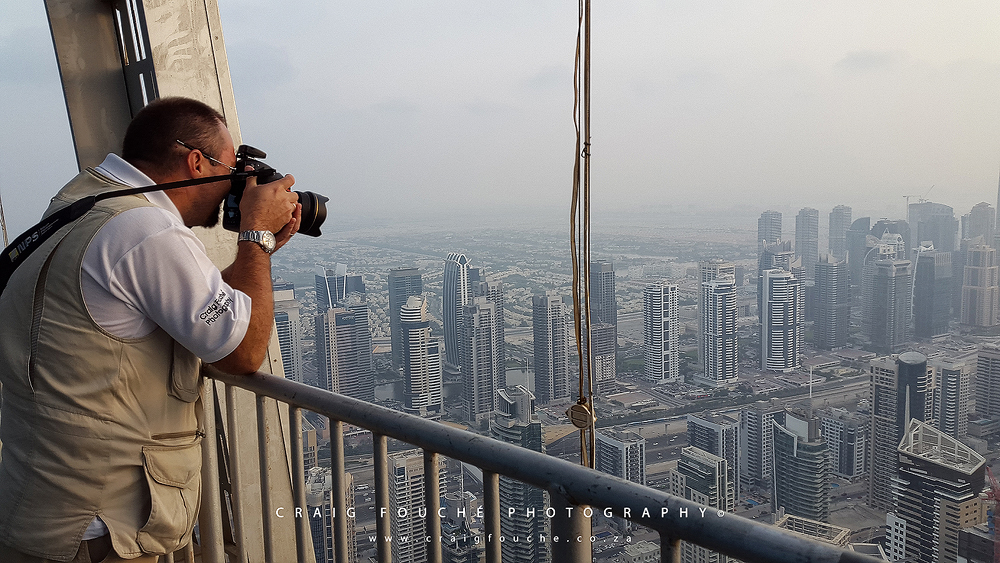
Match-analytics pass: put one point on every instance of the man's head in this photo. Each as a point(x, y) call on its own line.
point(151, 138)
point(177, 139)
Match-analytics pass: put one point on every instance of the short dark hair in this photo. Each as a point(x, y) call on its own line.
point(150, 142)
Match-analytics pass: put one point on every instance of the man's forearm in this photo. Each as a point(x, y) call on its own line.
point(251, 274)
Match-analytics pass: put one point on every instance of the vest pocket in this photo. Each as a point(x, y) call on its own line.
point(173, 474)
point(185, 375)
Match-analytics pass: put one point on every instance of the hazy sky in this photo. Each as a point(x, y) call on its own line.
point(397, 109)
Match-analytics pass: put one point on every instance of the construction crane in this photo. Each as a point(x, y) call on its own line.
point(920, 199)
point(993, 513)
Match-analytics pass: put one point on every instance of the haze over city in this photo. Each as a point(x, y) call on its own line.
point(406, 111)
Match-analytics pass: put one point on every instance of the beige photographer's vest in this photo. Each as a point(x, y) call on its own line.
point(92, 424)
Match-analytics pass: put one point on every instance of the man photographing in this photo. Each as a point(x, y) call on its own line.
point(104, 330)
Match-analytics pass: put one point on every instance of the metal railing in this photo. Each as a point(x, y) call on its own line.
point(572, 488)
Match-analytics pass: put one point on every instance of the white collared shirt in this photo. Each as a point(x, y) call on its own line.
point(145, 269)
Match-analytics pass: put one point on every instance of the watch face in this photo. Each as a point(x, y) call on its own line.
point(268, 241)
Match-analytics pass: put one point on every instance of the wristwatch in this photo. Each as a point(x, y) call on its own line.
point(264, 238)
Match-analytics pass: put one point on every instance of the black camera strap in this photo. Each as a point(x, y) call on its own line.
point(23, 246)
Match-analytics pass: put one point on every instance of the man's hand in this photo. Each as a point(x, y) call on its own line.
point(270, 207)
point(290, 228)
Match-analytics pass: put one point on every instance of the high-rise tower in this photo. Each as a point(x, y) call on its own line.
point(403, 283)
point(756, 443)
point(782, 318)
point(988, 381)
point(515, 422)
point(902, 388)
point(936, 494)
point(718, 434)
point(479, 346)
point(768, 228)
point(708, 271)
point(801, 467)
point(980, 222)
point(887, 293)
point(934, 222)
point(551, 346)
point(952, 394)
point(334, 285)
point(840, 222)
point(704, 478)
point(981, 289)
point(720, 340)
point(622, 454)
point(407, 484)
point(457, 294)
point(833, 303)
point(422, 377)
point(932, 294)
point(660, 333)
point(807, 238)
point(344, 351)
point(288, 326)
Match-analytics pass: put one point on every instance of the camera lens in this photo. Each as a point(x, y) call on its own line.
point(313, 212)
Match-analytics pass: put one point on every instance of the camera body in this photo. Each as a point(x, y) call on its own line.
point(313, 205)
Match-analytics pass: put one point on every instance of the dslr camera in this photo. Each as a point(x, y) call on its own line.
point(313, 205)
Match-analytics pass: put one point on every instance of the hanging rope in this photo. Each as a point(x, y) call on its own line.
point(582, 414)
point(3, 225)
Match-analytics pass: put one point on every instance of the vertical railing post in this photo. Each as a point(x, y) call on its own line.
point(235, 464)
point(302, 532)
point(670, 549)
point(491, 501)
point(340, 492)
point(432, 500)
point(210, 517)
point(265, 479)
point(573, 531)
point(383, 525)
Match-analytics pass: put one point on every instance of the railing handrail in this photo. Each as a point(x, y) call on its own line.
point(685, 520)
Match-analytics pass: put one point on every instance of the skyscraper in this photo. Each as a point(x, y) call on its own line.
point(603, 305)
point(756, 443)
point(515, 422)
point(622, 454)
point(479, 346)
point(979, 222)
point(422, 378)
point(335, 285)
point(847, 435)
point(857, 248)
point(932, 294)
point(408, 512)
point(602, 351)
point(719, 338)
point(288, 327)
point(344, 352)
point(801, 467)
point(807, 238)
point(403, 283)
point(492, 290)
point(981, 289)
point(782, 318)
point(718, 434)
point(457, 294)
point(934, 222)
point(833, 303)
point(708, 271)
point(660, 333)
point(768, 228)
point(935, 494)
point(902, 388)
point(988, 381)
point(840, 222)
point(952, 394)
point(551, 346)
point(704, 478)
point(888, 318)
